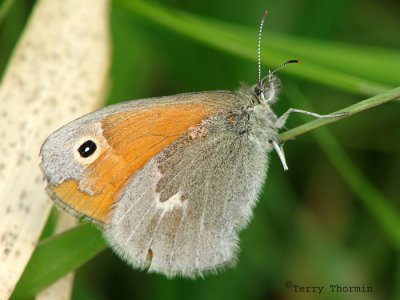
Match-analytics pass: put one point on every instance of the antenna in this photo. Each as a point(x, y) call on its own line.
point(259, 47)
point(292, 61)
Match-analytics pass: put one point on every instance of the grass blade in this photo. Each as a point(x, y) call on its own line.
point(277, 48)
point(56, 256)
point(373, 200)
point(379, 99)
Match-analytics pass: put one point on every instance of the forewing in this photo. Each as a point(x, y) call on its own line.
point(127, 136)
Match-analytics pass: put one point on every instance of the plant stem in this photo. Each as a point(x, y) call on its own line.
point(380, 208)
point(376, 100)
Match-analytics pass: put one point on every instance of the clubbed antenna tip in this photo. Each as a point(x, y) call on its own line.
point(292, 61)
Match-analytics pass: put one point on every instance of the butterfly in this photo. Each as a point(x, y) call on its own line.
point(171, 180)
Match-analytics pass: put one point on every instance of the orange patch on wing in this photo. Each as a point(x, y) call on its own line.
point(96, 207)
point(134, 138)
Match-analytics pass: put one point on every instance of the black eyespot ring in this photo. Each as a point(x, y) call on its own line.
point(87, 148)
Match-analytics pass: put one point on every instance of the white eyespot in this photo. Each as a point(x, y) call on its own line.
point(87, 149)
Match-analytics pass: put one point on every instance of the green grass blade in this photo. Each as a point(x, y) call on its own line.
point(4, 8)
point(277, 48)
point(57, 256)
point(386, 215)
point(379, 99)
point(363, 61)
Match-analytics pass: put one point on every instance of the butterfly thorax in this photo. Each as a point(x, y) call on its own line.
point(259, 119)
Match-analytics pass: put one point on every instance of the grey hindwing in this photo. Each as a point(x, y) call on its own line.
point(180, 214)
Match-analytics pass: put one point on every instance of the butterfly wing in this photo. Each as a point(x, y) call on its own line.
point(180, 214)
point(125, 136)
point(172, 179)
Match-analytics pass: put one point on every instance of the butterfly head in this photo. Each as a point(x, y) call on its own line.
point(267, 89)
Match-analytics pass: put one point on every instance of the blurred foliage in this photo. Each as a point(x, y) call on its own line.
point(309, 227)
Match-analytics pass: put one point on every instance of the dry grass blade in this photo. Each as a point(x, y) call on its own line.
point(58, 72)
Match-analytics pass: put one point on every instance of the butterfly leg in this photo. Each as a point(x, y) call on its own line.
point(282, 119)
point(279, 149)
point(280, 123)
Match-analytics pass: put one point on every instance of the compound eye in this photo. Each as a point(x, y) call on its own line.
point(267, 95)
point(87, 148)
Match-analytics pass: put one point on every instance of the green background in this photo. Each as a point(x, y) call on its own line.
point(312, 225)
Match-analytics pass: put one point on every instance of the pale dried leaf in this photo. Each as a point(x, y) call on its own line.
point(57, 73)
